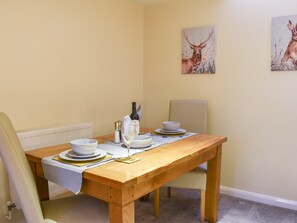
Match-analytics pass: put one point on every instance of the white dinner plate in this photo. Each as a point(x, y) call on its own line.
point(164, 132)
point(99, 154)
point(170, 131)
point(72, 154)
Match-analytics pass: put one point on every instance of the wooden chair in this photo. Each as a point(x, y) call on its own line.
point(73, 209)
point(193, 117)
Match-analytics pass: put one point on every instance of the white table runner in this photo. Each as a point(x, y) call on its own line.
point(70, 176)
point(67, 175)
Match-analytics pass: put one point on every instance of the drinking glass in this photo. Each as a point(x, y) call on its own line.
point(129, 131)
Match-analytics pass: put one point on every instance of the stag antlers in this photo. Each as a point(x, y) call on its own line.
point(202, 44)
point(293, 30)
point(291, 52)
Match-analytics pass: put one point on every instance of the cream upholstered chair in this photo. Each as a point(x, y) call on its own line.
point(73, 209)
point(193, 117)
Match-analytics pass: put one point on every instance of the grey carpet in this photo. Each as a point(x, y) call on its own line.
point(184, 206)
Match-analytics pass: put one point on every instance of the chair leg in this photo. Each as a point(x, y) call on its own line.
point(168, 192)
point(157, 202)
point(202, 206)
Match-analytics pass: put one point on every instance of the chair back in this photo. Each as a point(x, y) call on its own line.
point(19, 170)
point(191, 113)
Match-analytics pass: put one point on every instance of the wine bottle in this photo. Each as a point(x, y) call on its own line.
point(134, 115)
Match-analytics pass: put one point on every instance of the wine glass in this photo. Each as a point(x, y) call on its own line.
point(130, 129)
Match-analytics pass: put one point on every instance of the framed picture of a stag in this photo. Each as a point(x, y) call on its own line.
point(198, 50)
point(284, 43)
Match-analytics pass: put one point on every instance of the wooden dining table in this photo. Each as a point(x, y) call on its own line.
point(120, 184)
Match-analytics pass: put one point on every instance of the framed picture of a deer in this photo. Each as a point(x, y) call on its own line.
point(198, 50)
point(284, 43)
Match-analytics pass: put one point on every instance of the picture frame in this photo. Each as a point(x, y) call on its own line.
point(284, 43)
point(198, 50)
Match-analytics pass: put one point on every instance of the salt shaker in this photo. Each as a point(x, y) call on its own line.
point(117, 133)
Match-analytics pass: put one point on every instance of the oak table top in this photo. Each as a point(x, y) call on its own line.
point(120, 184)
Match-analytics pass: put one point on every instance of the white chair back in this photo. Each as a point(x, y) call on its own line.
point(191, 113)
point(19, 170)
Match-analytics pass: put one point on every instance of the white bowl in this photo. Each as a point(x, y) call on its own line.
point(141, 141)
point(171, 125)
point(83, 146)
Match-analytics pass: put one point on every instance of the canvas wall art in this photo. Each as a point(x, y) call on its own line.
point(198, 50)
point(284, 43)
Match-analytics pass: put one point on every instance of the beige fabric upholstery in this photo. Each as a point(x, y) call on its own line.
point(193, 117)
point(195, 179)
point(191, 113)
point(73, 209)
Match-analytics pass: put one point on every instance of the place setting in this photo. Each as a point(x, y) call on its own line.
point(170, 128)
point(83, 152)
point(170, 131)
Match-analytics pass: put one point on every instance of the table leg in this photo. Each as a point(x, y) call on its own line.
point(157, 202)
point(41, 183)
point(213, 186)
point(123, 214)
point(42, 188)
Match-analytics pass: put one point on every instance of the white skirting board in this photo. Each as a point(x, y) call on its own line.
point(274, 201)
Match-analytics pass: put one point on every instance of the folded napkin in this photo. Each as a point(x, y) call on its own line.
point(68, 174)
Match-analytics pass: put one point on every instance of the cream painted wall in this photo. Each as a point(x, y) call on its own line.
point(254, 107)
point(70, 60)
point(65, 61)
